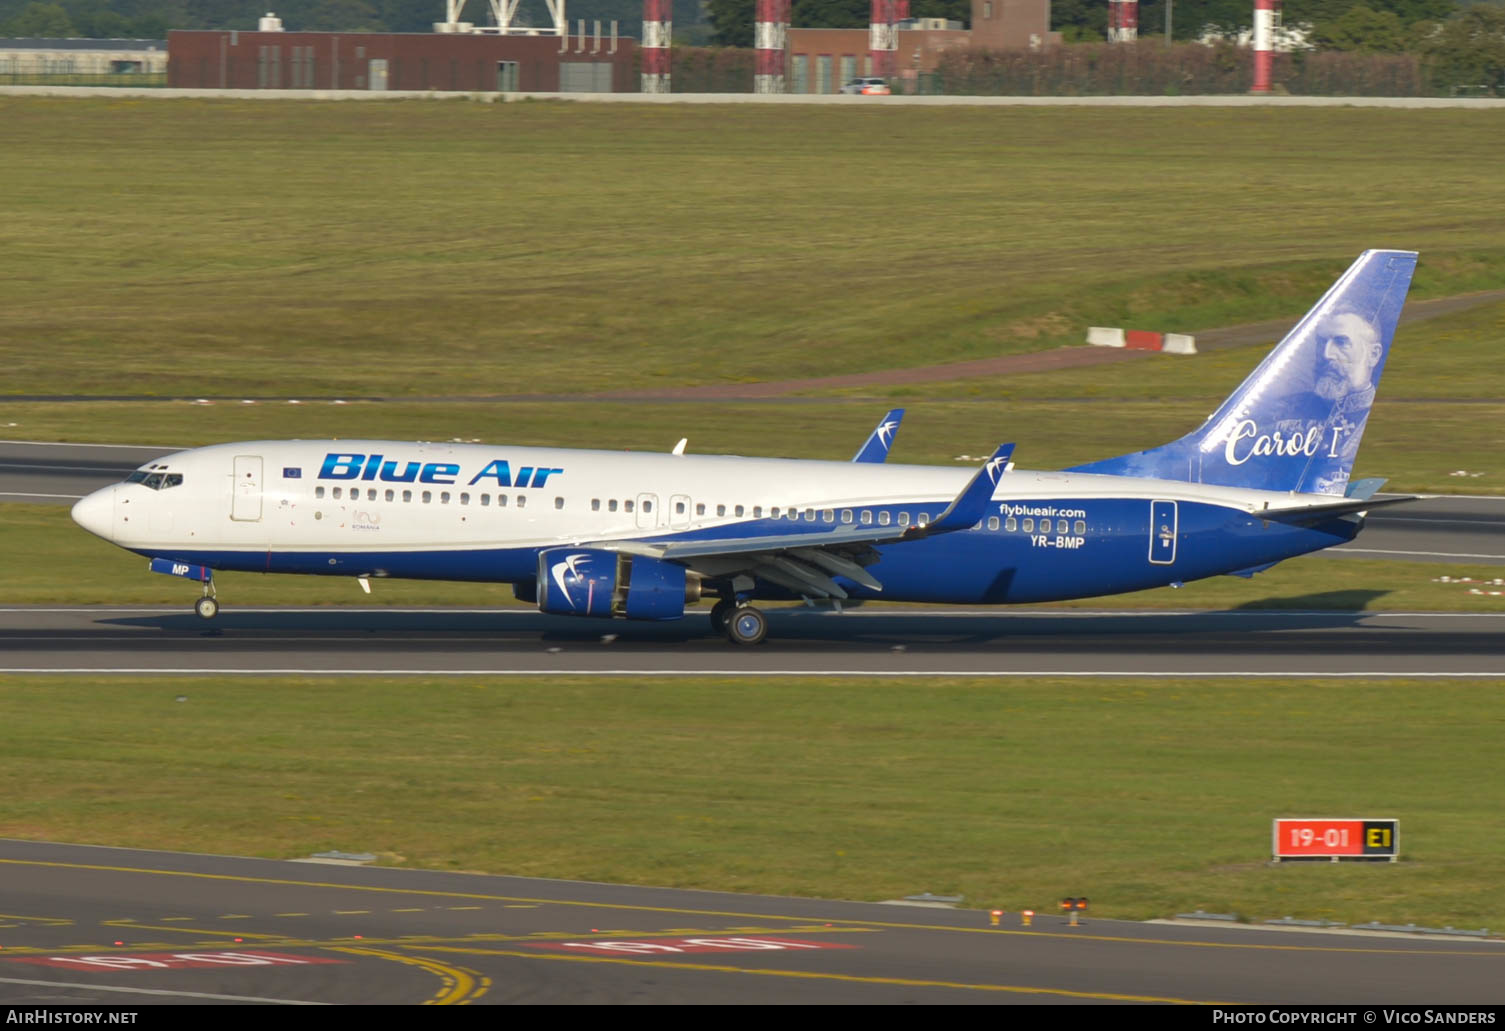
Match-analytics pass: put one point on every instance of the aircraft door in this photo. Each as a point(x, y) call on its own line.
point(245, 502)
point(648, 513)
point(1163, 531)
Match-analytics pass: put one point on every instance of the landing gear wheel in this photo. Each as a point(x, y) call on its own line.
point(747, 626)
point(206, 607)
point(721, 614)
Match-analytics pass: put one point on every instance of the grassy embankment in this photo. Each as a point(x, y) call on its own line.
point(426, 248)
point(1149, 798)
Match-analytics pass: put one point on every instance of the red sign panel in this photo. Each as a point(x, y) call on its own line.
point(1323, 838)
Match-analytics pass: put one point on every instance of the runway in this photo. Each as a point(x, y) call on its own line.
point(86, 925)
point(890, 643)
point(1457, 529)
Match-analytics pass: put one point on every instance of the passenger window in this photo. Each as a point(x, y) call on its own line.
point(737, 511)
point(647, 506)
point(558, 503)
point(1045, 526)
point(595, 504)
point(485, 500)
point(407, 495)
point(700, 508)
point(773, 513)
point(809, 515)
point(390, 494)
point(428, 496)
point(1080, 526)
point(1011, 524)
point(992, 522)
point(846, 515)
point(757, 511)
point(828, 515)
point(924, 518)
point(721, 510)
point(501, 501)
point(522, 501)
point(444, 497)
point(883, 518)
point(1028, 526)
point(464, 499)
point(903, 518)
point(867, 516)
point(611, 505)
point(679, 508)
point(337, 492)
point(318, 492)
point(627, 506)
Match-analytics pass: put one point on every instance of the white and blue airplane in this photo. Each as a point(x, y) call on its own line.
point(613, 534)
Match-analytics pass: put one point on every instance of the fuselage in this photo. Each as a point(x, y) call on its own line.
point(366, 508)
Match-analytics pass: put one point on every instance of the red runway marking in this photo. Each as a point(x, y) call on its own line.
point(674, 946)
point(174, 960)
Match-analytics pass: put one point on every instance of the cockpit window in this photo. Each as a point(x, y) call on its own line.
point(155, 480)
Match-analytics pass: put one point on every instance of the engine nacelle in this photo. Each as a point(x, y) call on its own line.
point(593, 582)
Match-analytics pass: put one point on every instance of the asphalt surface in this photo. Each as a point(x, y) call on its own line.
point(889, 643)
point(87, 926)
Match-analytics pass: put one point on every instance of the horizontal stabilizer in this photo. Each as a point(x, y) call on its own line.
point(1307, 514)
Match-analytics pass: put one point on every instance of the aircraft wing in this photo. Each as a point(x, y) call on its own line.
point(805, 562)
point(877, 446)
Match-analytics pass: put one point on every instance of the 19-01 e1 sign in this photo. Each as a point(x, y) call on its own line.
point(1336, 839)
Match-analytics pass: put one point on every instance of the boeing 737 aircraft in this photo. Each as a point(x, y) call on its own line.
point(641, 536)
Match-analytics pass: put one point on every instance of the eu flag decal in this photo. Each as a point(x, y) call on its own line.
point(291, 473)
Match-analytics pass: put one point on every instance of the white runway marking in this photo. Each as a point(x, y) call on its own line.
point(1427, 554)
point(160, 991)
point(1380, 674)
point(34, 494)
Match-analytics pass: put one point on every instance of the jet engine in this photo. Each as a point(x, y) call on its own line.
point(593, 582)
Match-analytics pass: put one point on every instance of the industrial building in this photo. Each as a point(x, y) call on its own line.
point(584, 62)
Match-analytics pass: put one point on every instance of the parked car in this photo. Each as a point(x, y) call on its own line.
point(868, 86)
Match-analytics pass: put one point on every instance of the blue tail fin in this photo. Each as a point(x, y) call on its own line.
point(1295, 423)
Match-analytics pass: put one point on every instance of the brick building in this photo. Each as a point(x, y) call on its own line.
point(229, 59)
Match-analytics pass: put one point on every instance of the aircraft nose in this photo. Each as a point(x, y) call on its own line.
point(96, 512)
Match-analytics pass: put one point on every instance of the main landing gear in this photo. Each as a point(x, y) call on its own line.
point(742, 624)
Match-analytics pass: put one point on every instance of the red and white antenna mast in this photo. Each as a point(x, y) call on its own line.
point(1264, 41)
point(882, 39)
point(658, 26)
point(1123, 21)
point(770, 37)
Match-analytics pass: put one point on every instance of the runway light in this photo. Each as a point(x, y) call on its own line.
point(996, 916)
point(1027, 915)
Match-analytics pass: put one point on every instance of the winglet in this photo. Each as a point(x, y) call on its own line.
point(882, 438)
point(972, 503)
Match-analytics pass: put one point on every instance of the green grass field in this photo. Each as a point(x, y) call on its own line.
point(445, 247)
point(1149, 798)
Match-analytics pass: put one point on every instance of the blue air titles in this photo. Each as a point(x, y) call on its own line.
point(353, 466)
